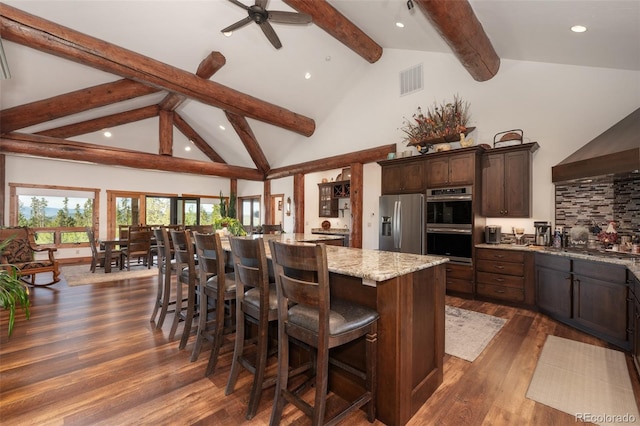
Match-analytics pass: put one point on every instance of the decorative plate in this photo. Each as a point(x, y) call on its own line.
point(326, 225)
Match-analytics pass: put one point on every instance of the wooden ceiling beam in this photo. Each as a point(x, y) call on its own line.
point(75, 102)
point(97, 124)
point(336, 162)
point(32, 31)
point(337, 25)
point(242, 128)
point(43, 146)
point(207, 68)
point(460, 28)
point(195, 137)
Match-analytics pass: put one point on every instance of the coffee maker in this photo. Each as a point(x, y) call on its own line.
point(543, 233)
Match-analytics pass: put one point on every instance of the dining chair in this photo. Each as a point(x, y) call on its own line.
point(98, 256)
point(218, 287)
point(166, 269)
point(271, 229)
point(203, 229)
point(256, 303)
point(138, 247)
point(123, 232)
point(187, 275)
point(307, 313)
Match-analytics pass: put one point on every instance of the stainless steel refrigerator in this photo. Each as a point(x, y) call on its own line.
point(402, 223)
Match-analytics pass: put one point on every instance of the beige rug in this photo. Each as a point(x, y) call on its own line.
point(586, 381)
point(467, 333)
point(81, 275)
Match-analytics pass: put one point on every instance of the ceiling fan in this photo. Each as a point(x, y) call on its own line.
point(261, 16)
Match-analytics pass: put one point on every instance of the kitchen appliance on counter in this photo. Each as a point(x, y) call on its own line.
point(450, 223)
point(492, 234)
point(542, 233)
point(402, 223)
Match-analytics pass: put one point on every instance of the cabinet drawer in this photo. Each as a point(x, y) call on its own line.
point(600, 271)
point(500, 292)
point(501, 280)
point(497, 267)
point(459, 285)
point(502, 255)
point(553, 262)
point(459, 271)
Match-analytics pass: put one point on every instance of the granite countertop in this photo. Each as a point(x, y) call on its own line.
point(337, 231)
point(371, 265)
point(632, 262)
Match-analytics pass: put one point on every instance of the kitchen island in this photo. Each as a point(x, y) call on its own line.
point(407, 291)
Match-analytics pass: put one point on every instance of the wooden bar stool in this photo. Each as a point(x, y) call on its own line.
point(308, 314)
point(166, 269)
point(257, 303)
point(187, 275)
point(215, 285)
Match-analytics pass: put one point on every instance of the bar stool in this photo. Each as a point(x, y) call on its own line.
point(166, 268)
point(216, 285)
point(187, 275)
point(302, 282)
point(257, 303)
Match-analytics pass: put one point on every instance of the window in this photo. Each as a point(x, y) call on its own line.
point(57, 214)
point(250, 212)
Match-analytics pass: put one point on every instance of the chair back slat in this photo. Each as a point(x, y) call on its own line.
point(183, 250)
point(139, 242)
point(209, 253)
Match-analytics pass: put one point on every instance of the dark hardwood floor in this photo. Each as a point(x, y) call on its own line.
point(89, 356)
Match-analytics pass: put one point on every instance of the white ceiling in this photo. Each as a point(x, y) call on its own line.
point(182, 33)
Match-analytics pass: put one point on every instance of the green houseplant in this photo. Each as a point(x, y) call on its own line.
point(13, 292)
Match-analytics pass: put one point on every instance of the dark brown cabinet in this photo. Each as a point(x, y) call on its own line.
point(634, 320)
point(403, 177)
point(329, 194)
point(459, 278)
point(553, 285)
point(443, 169)
point(505, 275)
point(506, 181)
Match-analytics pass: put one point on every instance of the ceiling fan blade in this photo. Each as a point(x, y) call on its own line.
point(262, 3)
point(241, 23)
point(267, 29)
point(289, 17)
point(237, 3)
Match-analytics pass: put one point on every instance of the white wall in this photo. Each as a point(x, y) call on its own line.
point(561, 107)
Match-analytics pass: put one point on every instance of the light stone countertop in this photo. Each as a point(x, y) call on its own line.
point(372, 265)
point(632, 262)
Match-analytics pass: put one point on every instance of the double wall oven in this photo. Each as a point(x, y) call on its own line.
point(449, 223)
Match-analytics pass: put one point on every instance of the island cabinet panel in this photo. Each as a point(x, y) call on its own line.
point(600, 299)
point(459, 279)
point(506, 275)
point(506, 181)
point(402, 178)
point(410, 341)
point(553, 285)
point(445, 169)
point(634, 319)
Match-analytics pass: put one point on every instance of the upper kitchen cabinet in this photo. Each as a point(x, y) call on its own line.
point(402, 176)
point(450, 168)
point(328, 204)
point(506, 181)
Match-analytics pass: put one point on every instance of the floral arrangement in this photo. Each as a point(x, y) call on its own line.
point(449, 118)
point(233, 225)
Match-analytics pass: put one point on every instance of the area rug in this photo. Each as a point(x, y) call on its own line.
point(586, 381)
point(80, 274)
point(467, 333)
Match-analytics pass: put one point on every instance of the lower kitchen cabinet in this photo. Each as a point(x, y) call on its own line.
point(588, 295)
point(505, 275)
point(553, 285)
point(634, 292)
point(459, 278)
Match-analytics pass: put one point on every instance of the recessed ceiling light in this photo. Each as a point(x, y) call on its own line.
point(107, 134)
point(187, 148)
point(399, 25)
point(228, 33)
point(222, 127)
point(307, 75)
point(578, 28)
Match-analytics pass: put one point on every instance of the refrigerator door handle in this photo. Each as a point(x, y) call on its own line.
point(399, 225)
point(395, 225)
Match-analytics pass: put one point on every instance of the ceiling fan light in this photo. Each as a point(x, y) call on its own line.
point(228, 33)
point(307, 75)
point(578, 28)
point(399, 25)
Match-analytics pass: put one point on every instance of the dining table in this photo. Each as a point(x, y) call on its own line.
point(108, 246)
point(408, 292)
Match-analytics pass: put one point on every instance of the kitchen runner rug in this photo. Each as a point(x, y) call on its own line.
point(467, 333)
point(80, 274)
point(586, 381)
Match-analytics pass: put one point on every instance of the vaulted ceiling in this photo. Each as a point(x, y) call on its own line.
point(132, 61)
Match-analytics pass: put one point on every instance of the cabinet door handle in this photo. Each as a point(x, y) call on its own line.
point(500, 280)
point(498, 256)
point(499, 267)
point(448, 270)
point(500, 291)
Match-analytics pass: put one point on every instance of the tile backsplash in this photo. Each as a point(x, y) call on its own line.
point(600, 200)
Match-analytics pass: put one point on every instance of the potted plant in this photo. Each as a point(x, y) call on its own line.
point(13, 292)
